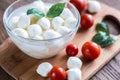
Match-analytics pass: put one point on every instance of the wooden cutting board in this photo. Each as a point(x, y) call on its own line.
point(23, 67)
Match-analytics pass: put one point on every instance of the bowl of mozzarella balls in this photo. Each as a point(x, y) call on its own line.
point(41, 28)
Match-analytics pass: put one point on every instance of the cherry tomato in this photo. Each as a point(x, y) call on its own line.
point(72, 50)
point(87, 21)
point(81, 5)
point(91, 50)
point(57, 73)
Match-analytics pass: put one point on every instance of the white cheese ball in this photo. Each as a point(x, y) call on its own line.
point(66, 13)
point(22, 13)
point(93, 6)
point(39, 4)
point(49, 34)
point(24, 21)
point(63, 30)
point(56, 22)
point(47, 8)
point(37, 37)
point(14, 21)
point(34, 30)
point(44, 23)
point(20, 32)
point(44, 68)
point(70, 22)
point(74, 62)
point(33, 18)
point(74, 74)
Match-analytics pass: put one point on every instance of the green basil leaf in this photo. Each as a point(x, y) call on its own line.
point(99, 37)
point(55, 10)
point(102, 27)
point(108, 41)
point(35, 11)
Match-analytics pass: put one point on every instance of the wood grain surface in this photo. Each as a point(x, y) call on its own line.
point(111, 71)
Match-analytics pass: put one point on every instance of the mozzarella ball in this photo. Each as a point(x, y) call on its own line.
point(20, 32)
point(14, 21)
point(39, 4)
point(66, 13)
point(44, 68)
point(56, 22)
point(24, 21)
point(37, 37)
point(44, 23)
point(74, 62)
point(74, 74)
point(49, 34)
point(93, 6)
point(22, 13)
point(63, 30)
point(33, 18)
point(70, 22)
point(47, 8)
point(34, 29)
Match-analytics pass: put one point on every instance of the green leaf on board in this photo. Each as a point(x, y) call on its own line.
point(102, 27)
point(108, 41)
point(99, 37)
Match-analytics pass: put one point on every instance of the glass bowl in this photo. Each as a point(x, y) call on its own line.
point(40, 49)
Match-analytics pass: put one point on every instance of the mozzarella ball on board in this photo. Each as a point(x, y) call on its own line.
point(39, 4)
point(74, 62)
point(44, 23)
point(74, 74)
point(66, 13)
point(24, 21)
point(44, 68)
point(34, 29)
point(70, 22)
point(56, 22)
point(14, 21)
point(49, 34)
point(20, 32)
point(63, 30)
point(93, 6)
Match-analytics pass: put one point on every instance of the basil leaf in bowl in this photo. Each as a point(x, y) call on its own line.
point(35, 11)
point(55, 10)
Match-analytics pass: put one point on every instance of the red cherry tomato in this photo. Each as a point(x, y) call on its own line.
point(57, 73)
point(72, 50)
point(90, 50)
point(87, 21)
point(81, 5)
